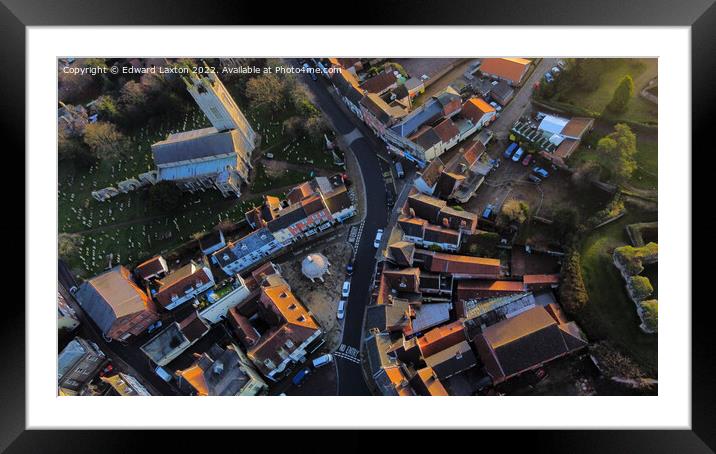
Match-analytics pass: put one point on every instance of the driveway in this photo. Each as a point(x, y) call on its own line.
point(521, 101)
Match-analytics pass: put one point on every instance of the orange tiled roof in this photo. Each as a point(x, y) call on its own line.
point(508, 68)
point(432, 384)
point(194, 375)
point(530, 279)
point(399, 381)
point(440, 338)
point(286, 305)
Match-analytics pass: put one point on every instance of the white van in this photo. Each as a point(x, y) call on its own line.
point(322, 360)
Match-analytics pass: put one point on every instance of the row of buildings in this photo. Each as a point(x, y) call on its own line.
point(385, 103)
point(233, 282)
point(437, 313)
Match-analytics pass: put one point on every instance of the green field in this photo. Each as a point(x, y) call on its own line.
point(610, 314)
point(647, 158)
point(639, 110)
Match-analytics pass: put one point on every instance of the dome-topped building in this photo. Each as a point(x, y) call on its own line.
point(314, 266)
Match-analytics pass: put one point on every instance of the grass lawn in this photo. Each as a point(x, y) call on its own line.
point(647, 157)
point(304, 152)
point(639, 110)
point(610, 314)
point(135, 242)
point(263, 182)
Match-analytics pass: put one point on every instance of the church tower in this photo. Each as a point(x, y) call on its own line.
point(218, 105)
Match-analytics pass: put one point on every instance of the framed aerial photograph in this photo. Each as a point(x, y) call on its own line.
point(328, 227)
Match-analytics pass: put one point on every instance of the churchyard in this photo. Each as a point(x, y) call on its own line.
point(127, 229)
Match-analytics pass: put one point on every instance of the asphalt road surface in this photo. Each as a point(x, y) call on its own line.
point(366, 147)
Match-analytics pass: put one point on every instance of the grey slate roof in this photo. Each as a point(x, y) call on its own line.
point(198, 144)
point(246, 245)
point(377, 346)
point(452, 360)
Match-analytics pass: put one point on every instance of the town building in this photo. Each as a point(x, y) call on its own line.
point(223, 372)
point(175, 339)
point(460, 178)
point(512, 70)
point(556, 137)
point(440, 338)
point(204, 159)
point(219, 106)
point(66, 316)
point(459, 266)
point(246, 252)
point(308, 209)
point(183, 285)
point(452, 360)
point(77, 365)
point(224, 297)
point(212, 242)
point(292, 332)
point(478, 112)
point(527, 341)
point(425, 382)
point(118, 307)
point(216, 157)
point(126, 385)
point(386, 371)
point(153, 268)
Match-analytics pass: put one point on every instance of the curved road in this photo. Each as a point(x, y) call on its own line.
point(365, 146)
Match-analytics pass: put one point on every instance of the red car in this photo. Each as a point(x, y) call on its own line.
point(527, 160)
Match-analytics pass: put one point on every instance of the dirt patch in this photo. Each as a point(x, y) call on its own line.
point(321, 298)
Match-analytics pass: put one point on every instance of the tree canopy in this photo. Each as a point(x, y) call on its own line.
point(620, 150)
point(622, 95)
point(514, 211)
point(105, 141)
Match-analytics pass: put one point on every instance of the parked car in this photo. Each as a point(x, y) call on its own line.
point(562, 64)
point(341, 309)
point(540, 171)
point(487, 212)
point(346, 290)
point(154, 326)
point(508, 152)
point(300, 376)
point(378, 238)
point(163, 374)
point(322, 360)
point(527, 160)
point(496, 106)
point(518, 154)
point(399, 170)
point(534, 179)
point(269, 155)
point(556, 71)
point(548, 77)
point(349, 269)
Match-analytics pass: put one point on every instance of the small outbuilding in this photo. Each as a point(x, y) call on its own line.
point(314, 266)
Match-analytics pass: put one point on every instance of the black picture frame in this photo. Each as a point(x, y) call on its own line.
point(16, 15)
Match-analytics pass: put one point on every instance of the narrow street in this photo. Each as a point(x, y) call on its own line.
point(371, 155)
